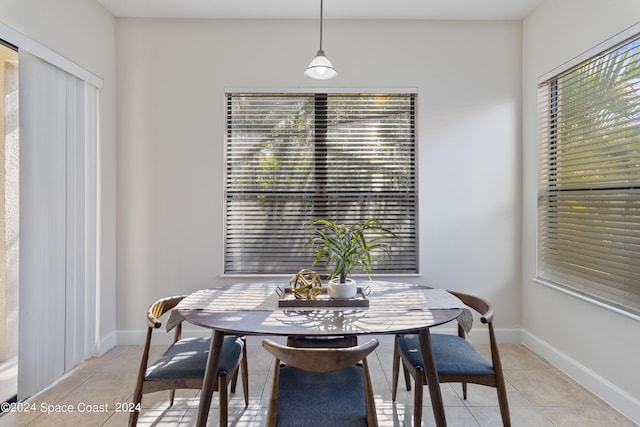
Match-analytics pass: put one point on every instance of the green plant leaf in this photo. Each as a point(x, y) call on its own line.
point(348, 246)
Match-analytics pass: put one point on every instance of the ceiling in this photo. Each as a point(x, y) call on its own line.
point(333, 9)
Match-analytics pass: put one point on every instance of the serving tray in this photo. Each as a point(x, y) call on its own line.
point(288, 299)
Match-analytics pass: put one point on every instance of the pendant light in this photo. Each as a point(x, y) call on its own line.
point(320, 67)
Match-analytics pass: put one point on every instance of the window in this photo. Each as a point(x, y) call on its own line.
point(295, 157)
point(589, 188)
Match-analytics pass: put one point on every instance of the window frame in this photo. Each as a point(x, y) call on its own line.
point(320, 131)
point(550, 79)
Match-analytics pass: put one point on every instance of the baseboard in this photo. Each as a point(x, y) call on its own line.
point(160, 336)
point(106, 343)
point(616, 397)
point(478, 335)
point(137, 337)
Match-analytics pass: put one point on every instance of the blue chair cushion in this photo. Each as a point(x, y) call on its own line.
point(333, 399)
point(454, 355)
point(187, 359)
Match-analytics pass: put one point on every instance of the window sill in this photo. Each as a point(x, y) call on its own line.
point(588, 299)
point(288, 276)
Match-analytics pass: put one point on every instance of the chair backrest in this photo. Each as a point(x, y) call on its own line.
point(480, 305)
point(160, 307)
point(485, 309)
point(321, 362)
point(320, 359)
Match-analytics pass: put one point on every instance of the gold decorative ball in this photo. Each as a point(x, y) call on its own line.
point(306, 284)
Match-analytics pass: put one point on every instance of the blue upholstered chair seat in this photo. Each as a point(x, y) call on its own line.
point(187, 359)
point(453, 355)
point(321, 399)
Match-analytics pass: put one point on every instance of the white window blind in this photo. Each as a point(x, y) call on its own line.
point(295, 157)
point(589, 188)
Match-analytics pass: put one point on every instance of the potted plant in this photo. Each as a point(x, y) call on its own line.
point(349, 246)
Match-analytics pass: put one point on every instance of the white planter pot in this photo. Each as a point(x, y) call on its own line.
point(342, 290)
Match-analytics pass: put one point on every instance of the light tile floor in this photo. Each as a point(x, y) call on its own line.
point(539, 396)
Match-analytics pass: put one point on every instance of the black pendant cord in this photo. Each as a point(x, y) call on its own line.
point(321, 25)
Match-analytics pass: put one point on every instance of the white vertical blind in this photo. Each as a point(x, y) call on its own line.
point(295, 157)
point(87, 337)
point(81, 221)
point(57, 228)
point(589, 188)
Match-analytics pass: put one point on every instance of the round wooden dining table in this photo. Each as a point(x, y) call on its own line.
point(261, 308)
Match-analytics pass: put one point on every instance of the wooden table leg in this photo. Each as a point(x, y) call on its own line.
point(210, 377)
point(432, 377)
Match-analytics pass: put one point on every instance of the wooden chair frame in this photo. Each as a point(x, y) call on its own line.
point(485, 309)
point(143, 386)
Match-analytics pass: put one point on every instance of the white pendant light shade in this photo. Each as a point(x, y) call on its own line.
point(320, 68)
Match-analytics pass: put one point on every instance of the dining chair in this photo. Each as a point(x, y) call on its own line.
point(321, 386)
point(456, 361)
point(183, 363)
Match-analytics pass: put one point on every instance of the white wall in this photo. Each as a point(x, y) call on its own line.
point(83, 32)
point(594, 345)
point(172, 76)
